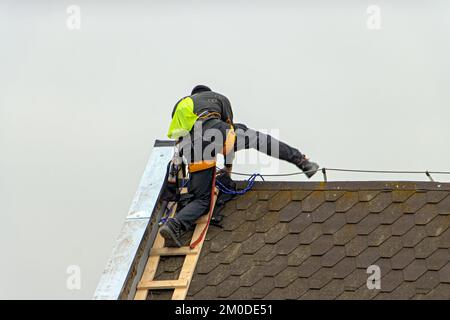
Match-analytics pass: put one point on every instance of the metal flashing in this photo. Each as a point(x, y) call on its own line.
point(117, 270)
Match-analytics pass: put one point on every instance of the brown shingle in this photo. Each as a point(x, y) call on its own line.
point(242, 293)
point(207, 292)
point(345, 234)
point(357, 212)
point(300, 223)
point(312, 201)
point(348, 200)
point(254, 243)
point(227, 287)
point(444, 239)
point(344, 267)
point(309, 266)
point(208, 263)
point(288, 244)
point(425, 214)
point(401, 195)
point(219, 274)
point(246, 201)
point(391, 213)
point(403, 258)
point(321, 245)
point(275, 266)
point(402, 225)
point(368, 224)
point(267, 221)
point(221, 241)
point(438, 225)
point(319, 279)
point(333, 195)
point(245, 231)
point(333, 256)
point(415, 202)
point(443, 206)
point(231, 253)
point(356, 246)
point(265, 195)
point(333, 224)
point(436, 196)
point(390, 247)
point(333, 289)
point(299, 194)
point(438, 259)
point(256, 212)
point(367, 257)
point(291, 211)
point(263, 287)
point(391, 281)
point(442, 292)
point(285, 277)
point(232, 222)
point(444, 273)
point(355, 279)
point(249, 278)
point(310, 234)
point(367, 195)
point(414, 270)
point(426, 247)
point(300, 254)
point(414, 236)
point(380, 202)
point(379, 235)
point(279, 201)
point(241, 264)
point(428, 281)
point(322, 213)
point(266, 253)
point(276, 233)
point(297, 288)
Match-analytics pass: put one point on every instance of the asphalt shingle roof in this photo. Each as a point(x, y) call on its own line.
point(294, 240)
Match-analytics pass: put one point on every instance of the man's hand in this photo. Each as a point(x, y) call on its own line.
point(227, 170)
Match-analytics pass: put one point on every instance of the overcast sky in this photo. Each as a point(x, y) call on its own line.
point(80, 108)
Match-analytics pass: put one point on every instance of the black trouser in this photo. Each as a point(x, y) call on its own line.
point(200, 187)
point(247, 138)
point(200, 182)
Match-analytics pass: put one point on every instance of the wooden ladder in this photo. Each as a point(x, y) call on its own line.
point(180, 285)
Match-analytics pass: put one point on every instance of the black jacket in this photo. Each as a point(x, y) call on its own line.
point(211, 102)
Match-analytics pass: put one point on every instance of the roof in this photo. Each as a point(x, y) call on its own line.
point(305, 240)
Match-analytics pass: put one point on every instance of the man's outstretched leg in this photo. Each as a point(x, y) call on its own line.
point(200, 186)
point(247, 138)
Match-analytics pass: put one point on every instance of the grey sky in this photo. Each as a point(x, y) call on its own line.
point(80, 109)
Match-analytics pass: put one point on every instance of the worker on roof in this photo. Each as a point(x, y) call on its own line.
point(203, 126)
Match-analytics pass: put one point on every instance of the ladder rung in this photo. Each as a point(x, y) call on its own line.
point(162, 284)
point(172, 251)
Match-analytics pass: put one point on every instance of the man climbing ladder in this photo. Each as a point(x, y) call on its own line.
point(202, 124)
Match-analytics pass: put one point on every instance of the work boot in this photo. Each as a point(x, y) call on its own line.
point(171, 232)
point(308, 167)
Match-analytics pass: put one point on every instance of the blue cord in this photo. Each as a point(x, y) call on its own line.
point(250, 183)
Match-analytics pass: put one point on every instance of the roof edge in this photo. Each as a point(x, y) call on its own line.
point(350, 185)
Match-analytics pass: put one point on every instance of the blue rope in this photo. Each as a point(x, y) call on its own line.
point(250, 183)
